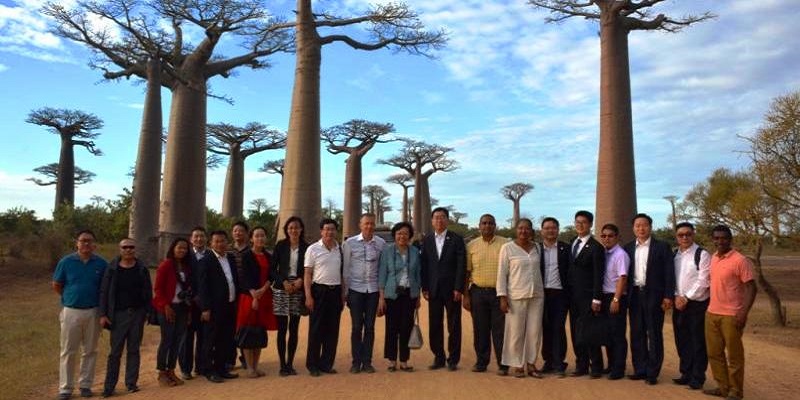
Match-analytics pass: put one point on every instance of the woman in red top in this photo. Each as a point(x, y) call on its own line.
point(173, 295)
point(255, 300)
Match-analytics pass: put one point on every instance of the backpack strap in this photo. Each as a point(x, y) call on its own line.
point(697, 254)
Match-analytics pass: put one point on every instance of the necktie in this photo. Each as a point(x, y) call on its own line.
point(575, 248)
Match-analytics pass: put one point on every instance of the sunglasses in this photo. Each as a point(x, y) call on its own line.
point(127, 247)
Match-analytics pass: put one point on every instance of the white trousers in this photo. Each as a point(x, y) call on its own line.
point(80, 330)
point(523, 332)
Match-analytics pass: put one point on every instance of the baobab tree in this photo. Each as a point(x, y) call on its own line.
point(673, 217)
point(50, 171)
point(514, 192)
point(413, 158)
point(354, 138)
point(158, 27)
point(74, 128)
point(391, 25)
point(238, 143)
point(616, 180)
point(405, 181)
point(377, 201)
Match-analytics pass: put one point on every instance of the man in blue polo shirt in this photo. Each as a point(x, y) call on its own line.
point(77, 281)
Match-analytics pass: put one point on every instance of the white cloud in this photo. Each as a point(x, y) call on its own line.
point(3, 67)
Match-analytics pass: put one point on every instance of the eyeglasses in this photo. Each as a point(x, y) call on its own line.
point(127, 247)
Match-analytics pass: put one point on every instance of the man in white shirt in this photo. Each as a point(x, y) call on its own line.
point(361, 256)
point(692, 266)
point(323, 287)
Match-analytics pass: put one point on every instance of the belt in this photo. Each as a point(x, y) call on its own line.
point(553, 291)
point(403, 289)
point(81, 308)
point(329, 287)
point(476, 287)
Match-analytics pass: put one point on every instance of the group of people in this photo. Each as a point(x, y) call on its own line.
point(209, 300)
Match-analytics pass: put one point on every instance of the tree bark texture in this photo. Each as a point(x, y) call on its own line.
point(422, 203)
point(143, 226)
point(300, 191)
point(352, 194)
point(515, 214)
point(65, 181)
point(616, 180)
point(183, 203)
point(233, 194)
point(404, 211)
point(776, 308)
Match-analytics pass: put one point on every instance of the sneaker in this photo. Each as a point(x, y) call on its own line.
point(64, 396)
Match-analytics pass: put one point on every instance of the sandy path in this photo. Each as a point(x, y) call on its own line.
point(771, 373)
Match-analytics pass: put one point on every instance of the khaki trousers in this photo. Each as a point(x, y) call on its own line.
point(523, 332)
point(80, 329)
point(725, 353)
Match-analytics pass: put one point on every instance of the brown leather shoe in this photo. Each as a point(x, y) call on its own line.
point(174, 378)
point(164, 380)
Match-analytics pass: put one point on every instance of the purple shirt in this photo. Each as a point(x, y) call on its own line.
point(617, 262)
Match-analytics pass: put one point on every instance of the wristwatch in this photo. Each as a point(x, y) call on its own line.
point(615, 300)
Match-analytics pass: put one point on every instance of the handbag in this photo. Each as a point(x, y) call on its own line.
point(415, 339)
point(251, 337)
point(593, 330)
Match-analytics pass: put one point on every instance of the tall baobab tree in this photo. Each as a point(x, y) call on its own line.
point(377, 201)
point(413, 158)
point(405, 181)
point(616, 180)
point(673, 217)
point(354, 138)
point(391, 25)
point(238, 143)
point(50, 171)
point(74, 128)
point(514, 192)
point(159, 28)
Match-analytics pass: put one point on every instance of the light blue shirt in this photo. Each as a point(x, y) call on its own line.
point(361, 258)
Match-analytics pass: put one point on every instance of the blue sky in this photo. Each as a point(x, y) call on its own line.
point(518, 99)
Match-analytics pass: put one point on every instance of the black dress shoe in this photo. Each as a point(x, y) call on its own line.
point(283, 372)
point(214, 378)
point(651, 381)
point(435, 366)
point(547, 369)
point(478, 368)
point(315, 373)
point(637, 377)
point(606, 371)
point(578, 373)
point(328, 371)
point(596, 375)
point(228, 375)
point(452, 367)
point(355, 369)
point(614, 377)
point(695, 385)
point(680, 381)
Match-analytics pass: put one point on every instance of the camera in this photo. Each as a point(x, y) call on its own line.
point(185, 296)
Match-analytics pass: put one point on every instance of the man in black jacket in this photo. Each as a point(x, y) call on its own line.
point(444, 266)
point(218, 284)
point(651, 292)
point(585, 281)
point(554, 264)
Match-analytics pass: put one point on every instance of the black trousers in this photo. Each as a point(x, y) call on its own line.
point(617, 349)
point(554, 331)
point(689, 328)
point(192, 344)
point(436, 314)
point(218, 343)
point(323, 330)
point(399, 322)
point(363, 311)
point(581, 305)
point(127, 330)
point(488, 324)
point(647, 337)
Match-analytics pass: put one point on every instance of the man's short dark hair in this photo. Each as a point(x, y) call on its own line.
point(612, 228)
point(242, 224)
point(487, 216)
point(199, 228)
point(326, 221)
point(442, 209)
point(367, 214)
point(642, 215)
point(86, 231)
point(219, 232)
point(401, 225)
point(585, 214)
point(722, 228)
point(684, 224)
point(550, 219)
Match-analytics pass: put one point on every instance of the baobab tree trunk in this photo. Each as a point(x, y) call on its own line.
point(352, 195)
point(300, 190)
point(147, 174)
point(515, 215)
point(65, 181)
point(183, 202)
point(616, 180)
point(233, 195)
point(422, 204)
point(404, 210)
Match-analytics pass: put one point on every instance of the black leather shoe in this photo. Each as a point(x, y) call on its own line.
point(452, 367)
point(328, 371)
point(315, 373)
point(651, 381)
point(435, 366)
point(614, 377)
point(355, 369)
point(578, 373)
point(368, 369)
point(596, 375)
point(214, 378)
point(695, 385)
point(228, 375)
point(107, 393)
point(680, 381)
point(637, 377)
point(478, 368)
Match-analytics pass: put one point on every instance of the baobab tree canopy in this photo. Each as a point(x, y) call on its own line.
point(51, 172)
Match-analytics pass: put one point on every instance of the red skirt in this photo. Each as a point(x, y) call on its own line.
point(264, 316)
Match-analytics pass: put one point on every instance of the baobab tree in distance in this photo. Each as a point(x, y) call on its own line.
point(238, 143)
point(354, 138)
point(50, 171)
point(391, 25)
point(413, 158)
point(189, 67)
point(405, 181)
point(377, 201)
point(74, 128)
point(616, 178)
point(514, 192)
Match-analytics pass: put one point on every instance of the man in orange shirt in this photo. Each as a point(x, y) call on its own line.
point(732, 294)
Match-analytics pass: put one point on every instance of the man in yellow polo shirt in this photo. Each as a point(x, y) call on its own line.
point(488, 322)
point(732, 294)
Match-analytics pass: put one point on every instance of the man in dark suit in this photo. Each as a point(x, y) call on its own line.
point(651, 292)
point(585, 282)
point(444, 266)
point(554, 264)
point(218, 284)
point(190, 347)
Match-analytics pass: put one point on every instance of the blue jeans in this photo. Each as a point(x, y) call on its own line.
point(363, 310)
